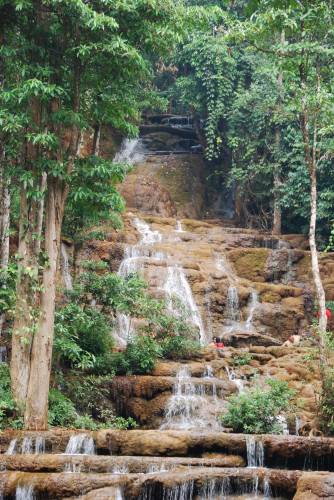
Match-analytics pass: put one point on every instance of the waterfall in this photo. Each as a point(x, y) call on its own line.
point(11, 450)
point(24, 493)
point(266, 489)
point(289, 275)
point(132, 263)
point(177, 286)
point(255, 452)
point(3, 354)
point(239, 383)
point(281, 420)
point(179, 228)
point(131, 152)
point(253, 304)
point(233, 311)
point(216, 489)
point(80, 444)
point(184, 405)
point(29, 446)
point(120, 469)
point(193, 404)
point(67, 278)
point(154, 468)
point(298, 425)
point(208, 311)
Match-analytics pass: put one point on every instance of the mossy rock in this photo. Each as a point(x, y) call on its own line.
point(250, 263)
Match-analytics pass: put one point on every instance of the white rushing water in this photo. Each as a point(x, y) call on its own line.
point(80, 444)
point(239, 383)
point(177, 286)
point(131, 151)
point(194, 404)
point(11, 450)
point(253, 304)
point(179, 228)
point(65, 266)
point(255, 452)
point(24, 493)
point(29, 445)
point(133, 263)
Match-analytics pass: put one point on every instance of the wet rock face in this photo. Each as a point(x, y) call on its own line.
point(203, 250)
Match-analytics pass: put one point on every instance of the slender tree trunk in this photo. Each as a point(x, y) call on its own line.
point(311, 162)
point(4, 227)
point(36, 414)
point(320, 292)
point(26, 307)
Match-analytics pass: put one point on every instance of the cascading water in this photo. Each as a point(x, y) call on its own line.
point(24, 493)
point(253, 304)
point(131, 151)
point(216, 489)
point(177, 286)
point(255, 452)
point(239, 383)
point(281, 420)
point(29, 446)
point(65, 266)
point(179, 228)
point(132, 263)
point(232, 306)
point(11, 450)
point(208, 311)
point(193, 404)
point(80, 444)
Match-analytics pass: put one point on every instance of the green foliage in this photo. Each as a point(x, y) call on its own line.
point(242, 359)
point(255, 411)
point(139, 356)
point(7, 288)
point(326, 402)
point(61, 410)
point(93, 196)
point(177, 347)
point(7, 404)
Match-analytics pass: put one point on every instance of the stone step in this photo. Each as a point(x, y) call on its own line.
point(298, 485)
point(279, 450)
point(111, 464)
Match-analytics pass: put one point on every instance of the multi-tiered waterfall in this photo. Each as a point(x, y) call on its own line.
point(227, 280)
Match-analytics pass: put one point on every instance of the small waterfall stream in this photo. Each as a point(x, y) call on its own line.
point(178, 286)
point(255, 452)
point(194, 404)
point(253, 304)
point(24, 493)
point(132, 263)
point(80, 444)
point(28, 446)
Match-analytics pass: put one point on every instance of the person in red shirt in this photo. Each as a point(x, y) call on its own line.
point(328, 313)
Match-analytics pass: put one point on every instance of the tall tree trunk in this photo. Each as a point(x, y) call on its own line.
point(320, 292)
point(4, 227)
point(26, 306)
point(36, 414)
